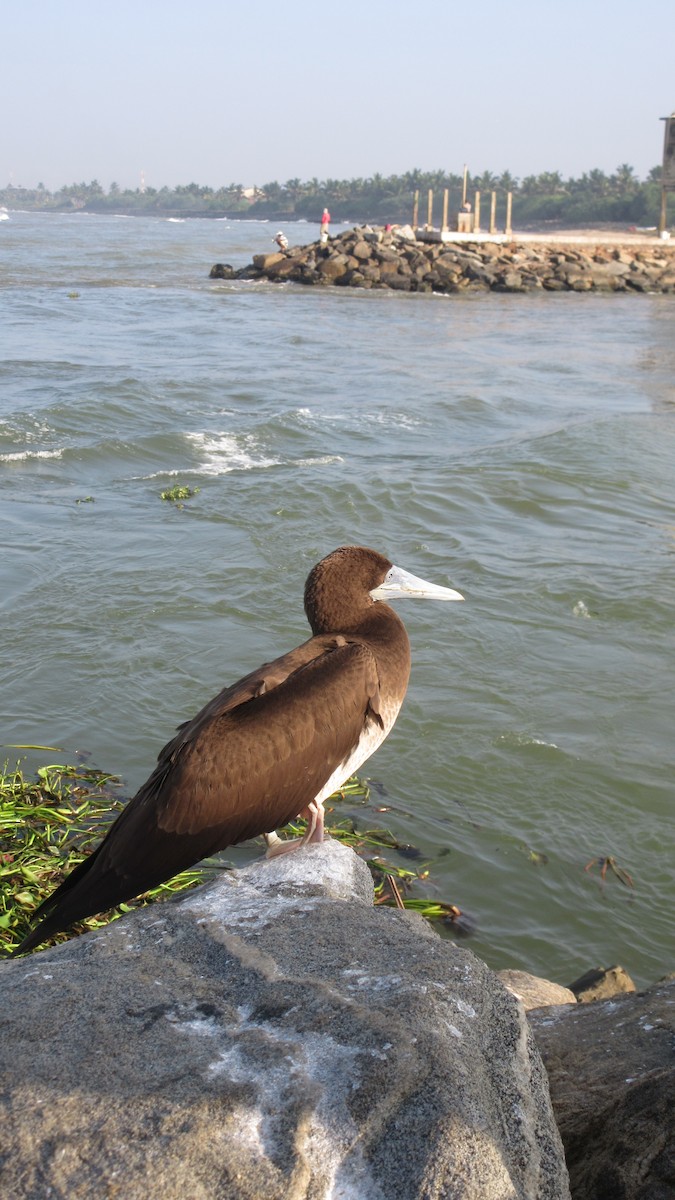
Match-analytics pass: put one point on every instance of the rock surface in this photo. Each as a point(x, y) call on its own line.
point(271, 1035)
point(370, 258)
point(600, 983)
point(611, 1067)
point(535, 992)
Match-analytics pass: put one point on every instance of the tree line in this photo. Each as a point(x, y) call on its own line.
point(594, 197)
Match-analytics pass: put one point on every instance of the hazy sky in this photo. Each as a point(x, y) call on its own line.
point(249, 91)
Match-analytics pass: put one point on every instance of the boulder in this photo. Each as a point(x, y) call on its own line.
point(404, 233)
point(580, 283)
point(332, 268)
point(511, 281)
point(530, 280)
point(263, 262)
point(275, 1035)
point(384, 254)
point(388, 268)
point(400, 283)
point(609, 276)
point(447, 262)
point(447, 269)
point(640, 281)
point(612, 1075)
point(361, 250)
point(535, 992)
point(285, 269)
point(221, 271)
point(600, 983)
point(357, 279)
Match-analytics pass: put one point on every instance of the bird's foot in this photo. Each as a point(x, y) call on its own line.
point(313, 814)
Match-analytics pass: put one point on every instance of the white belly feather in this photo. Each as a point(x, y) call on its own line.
point(372, 737)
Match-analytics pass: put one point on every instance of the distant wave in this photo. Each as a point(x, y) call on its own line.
point(323, 460)
point(390, 419)
point(23, 455)
point(520, 738)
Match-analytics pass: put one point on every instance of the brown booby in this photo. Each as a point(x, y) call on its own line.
point(267, 749)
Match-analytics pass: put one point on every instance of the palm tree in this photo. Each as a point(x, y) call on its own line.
point(412, 180)
point(530, 185)
point(550, 182)
point(487, 182)
point(624, 180)
point(508, 182)
point(294, 189)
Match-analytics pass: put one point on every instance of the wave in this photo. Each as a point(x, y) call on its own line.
point(224, 452)
point(520, 738)
point(24, 455)
point(323, 460)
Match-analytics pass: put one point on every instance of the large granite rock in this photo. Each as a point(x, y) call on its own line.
point(611, 1067)
point(271, 1035)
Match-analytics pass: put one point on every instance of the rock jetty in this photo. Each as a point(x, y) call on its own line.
point(374, 258)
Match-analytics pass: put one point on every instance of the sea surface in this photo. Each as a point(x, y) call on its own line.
point(518, 448)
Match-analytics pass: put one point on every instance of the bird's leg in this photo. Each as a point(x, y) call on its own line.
point(313, 814)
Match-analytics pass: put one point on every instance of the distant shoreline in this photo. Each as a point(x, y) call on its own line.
point(542, 230)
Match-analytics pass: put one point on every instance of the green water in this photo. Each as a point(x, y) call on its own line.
point(519, 449)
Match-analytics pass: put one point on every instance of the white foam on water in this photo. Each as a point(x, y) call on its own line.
point(24, 455)
point(395, 420)
point(224, 452)
point(520, 738)
point(322, 461)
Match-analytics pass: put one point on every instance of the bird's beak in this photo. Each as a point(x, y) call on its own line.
point(398, 582)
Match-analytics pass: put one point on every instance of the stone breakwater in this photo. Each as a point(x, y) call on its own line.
point(372, 258)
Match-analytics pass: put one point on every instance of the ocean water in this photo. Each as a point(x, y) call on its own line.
point(520, 449)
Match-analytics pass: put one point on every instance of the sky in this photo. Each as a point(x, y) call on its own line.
point(250, 91)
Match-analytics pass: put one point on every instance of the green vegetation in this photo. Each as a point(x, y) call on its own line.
point(48, 824)
point(178, 493)
point(593, 198)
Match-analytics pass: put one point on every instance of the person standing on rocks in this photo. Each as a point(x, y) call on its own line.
point(325, 222)
point(281, 240)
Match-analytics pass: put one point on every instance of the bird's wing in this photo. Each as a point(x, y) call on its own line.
point(246, 768)
point(264, 679)
point(249, 762)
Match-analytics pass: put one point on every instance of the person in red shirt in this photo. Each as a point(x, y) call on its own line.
point(325, 222)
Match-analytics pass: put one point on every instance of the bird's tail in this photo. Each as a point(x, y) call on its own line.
point(69, 903)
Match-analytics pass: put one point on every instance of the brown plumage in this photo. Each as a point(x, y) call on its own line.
point(264, 750)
